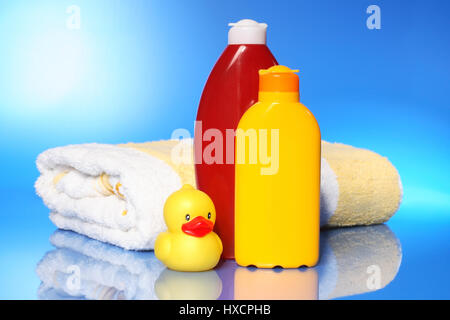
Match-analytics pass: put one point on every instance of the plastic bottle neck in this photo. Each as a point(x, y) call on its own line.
point(267, 96)
point(247, 31)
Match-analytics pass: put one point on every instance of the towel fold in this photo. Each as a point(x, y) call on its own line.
point(116, 193)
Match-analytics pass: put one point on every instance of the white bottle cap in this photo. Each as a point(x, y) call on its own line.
point(247, 31)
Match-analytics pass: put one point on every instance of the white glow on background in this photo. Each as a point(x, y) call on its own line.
point(50, 66)
point(419, 197)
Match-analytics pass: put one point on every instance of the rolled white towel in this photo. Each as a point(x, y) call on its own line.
point(109, 193)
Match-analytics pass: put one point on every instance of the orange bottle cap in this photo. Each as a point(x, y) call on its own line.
point(278, 79)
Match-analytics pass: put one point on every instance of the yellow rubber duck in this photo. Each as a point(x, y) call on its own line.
point(189, 244)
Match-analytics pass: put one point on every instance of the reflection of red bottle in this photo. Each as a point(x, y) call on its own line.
point(231, 89)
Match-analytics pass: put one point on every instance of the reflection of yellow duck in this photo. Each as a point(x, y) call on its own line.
point(172, 285)
point(189, 243)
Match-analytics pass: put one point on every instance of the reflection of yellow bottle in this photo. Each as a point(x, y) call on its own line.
point(277, 177)
point(266, 284)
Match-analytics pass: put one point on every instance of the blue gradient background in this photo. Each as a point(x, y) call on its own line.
point(135, 71)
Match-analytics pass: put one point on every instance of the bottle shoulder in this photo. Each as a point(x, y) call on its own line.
point(232, 85)
point(269, 112)
point(236, 58)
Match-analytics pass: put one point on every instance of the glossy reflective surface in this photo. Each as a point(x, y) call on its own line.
point(353, 261)
point(406, 258)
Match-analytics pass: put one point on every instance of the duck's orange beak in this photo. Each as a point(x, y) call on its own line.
point(198, 227)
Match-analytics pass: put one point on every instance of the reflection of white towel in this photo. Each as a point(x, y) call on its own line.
point(84, 268)
point(351, 257)
point(106, 192)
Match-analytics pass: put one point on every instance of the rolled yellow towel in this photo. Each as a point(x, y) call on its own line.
point(369, 186)
point(358, 186)
point(164, 150)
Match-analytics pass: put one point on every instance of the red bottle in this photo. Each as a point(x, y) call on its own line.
point(232, 88)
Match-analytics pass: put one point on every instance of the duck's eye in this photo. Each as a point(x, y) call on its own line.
point(209, 215)
point(188, 217)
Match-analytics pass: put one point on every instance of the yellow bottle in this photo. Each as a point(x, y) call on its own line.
point(277, 195)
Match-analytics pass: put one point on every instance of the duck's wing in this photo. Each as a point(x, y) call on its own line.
point(219, 242)
point(163, 245)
